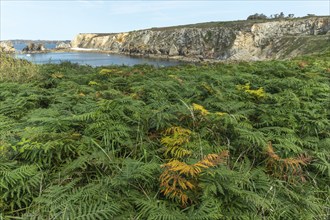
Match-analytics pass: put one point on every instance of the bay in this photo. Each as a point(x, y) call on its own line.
point(94, 59)
point(20, 46)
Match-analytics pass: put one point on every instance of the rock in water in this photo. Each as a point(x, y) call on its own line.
point(32, 47)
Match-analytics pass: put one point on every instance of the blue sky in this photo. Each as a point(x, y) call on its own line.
point(59, 19)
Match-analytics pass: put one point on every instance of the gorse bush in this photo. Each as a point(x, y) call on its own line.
point(220, 141)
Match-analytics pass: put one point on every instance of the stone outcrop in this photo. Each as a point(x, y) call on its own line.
point(7, 47)
point(240, 40)
point(63, 45)
point(32, 48)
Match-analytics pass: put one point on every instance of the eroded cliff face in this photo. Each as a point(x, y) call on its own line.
point(242, 40)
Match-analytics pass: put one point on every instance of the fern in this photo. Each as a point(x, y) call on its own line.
point(285, 168)
point(119, 142)
point(174, 139)
point(157, 209)
point(88, 211)
point(18, 185)
point(209, 209)
point(135, 173)
point(179, 178)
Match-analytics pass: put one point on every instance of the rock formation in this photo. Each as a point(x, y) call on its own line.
point(32, 47)
point(7, 47)
point(63, 45)
point(238, 40)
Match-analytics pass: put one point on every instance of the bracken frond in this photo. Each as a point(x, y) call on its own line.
point(212, 160)
point(179, 178)
point(173, 141)
point(286, 168)
point(200, 109)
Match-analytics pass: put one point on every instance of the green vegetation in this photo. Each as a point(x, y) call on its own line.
point(281, 16)
point(239, 24)
point(302, 45)
point(221, 141)
point(12, 69)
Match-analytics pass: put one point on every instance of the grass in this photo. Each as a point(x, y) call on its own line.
point(240, 24)
point(15, 70)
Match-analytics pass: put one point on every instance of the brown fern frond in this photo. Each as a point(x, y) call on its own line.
point(270, 152)
point(285, 168)
point(174, 185)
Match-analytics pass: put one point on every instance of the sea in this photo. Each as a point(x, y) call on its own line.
point(89, 58)
point(20, 46)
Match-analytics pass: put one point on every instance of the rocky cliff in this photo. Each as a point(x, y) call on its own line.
point(7, 47)
point(239, 40)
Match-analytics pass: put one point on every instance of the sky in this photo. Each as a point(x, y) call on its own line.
point(63, 19)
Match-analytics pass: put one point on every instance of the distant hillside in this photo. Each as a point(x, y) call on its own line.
point(233, 40)
point(22, 41)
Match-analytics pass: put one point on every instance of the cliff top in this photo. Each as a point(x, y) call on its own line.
point(241, 24)
point(238, 23)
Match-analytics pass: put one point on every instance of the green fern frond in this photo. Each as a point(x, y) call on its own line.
point(157, 209)
point(88, 211)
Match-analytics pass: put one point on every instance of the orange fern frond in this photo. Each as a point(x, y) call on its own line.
point(183, 168)
point(179, 178)
point(175, 186)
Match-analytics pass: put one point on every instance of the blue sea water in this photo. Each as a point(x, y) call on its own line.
point(93, 59)
point(19, 47)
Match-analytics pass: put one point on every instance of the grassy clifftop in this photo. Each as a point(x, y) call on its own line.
point(238, 23)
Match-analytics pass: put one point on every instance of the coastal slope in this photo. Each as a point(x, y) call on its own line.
point(237, 40)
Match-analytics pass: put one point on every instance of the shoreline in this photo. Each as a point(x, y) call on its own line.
point(151, 56)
